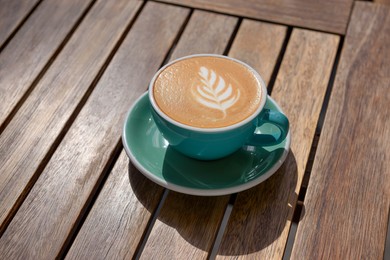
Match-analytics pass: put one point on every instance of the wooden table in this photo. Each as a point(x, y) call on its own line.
point(70, 70)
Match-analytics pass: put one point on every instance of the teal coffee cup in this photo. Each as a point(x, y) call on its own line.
point(208, 106)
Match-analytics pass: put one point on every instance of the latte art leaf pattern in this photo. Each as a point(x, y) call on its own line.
point(214, 92)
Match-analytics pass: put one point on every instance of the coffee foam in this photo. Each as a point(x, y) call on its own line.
point(207, 92)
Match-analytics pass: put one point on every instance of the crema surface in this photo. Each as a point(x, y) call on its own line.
point(207, 92)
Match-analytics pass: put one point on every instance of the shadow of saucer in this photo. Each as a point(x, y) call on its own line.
point(258, 218)
point(147, 192)
point(194, 218)
point(260, 215)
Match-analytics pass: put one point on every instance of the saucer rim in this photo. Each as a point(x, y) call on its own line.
point(202, 192)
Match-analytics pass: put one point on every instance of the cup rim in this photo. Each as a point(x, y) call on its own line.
point(211, 129)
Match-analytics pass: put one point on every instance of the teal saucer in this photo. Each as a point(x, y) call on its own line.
point(152, 156)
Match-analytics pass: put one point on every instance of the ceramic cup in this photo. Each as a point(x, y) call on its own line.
point(215, 143)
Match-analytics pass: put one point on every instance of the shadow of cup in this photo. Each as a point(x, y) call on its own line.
point(268, 210)
point(263, 204)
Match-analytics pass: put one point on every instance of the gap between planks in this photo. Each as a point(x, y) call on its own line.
point(230, 205)
point(45, 160)
point(149, 227)
point(249, 18)
point(90, 201)
point(232, 37)
point(40, 75)
point(115, 155)
point(279, 61)
point(63, 234)
point(155, 214)
point(299, 209)
point(166, 192)
point(117, 150)
point(218, 239)
point(386, 254)
point(67, 125)
point(18, 26)
point(178, 36)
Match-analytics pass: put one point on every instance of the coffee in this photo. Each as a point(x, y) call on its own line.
point(207, 91)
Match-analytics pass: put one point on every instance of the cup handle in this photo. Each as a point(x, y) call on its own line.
point(273, 117)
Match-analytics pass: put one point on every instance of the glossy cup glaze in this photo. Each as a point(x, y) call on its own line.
point(215, 143)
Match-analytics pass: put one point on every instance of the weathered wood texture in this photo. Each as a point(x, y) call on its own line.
point(119, 216)
point(329, 16)
point(205, 33)
point(31, 48)
point(387, 2)
point(45, 219)
point(261, 217)
point(348, 197)
point(191, 230)
point(259, 44)
point(126, 238)
point(186, 227)
point(53, 207)
point(29, 136)
point(12, 14)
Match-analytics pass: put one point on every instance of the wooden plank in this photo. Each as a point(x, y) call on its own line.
point(348, 197)
point(12, 14)
point(329, 16)
point(125, 236)
point(190, 231)
point(261, 217)
point(259, 44)
point(209, 33)
point(186, 227)
point(119, 216)
point(53, 207)
point(31, 48)
point(387, 2)
point(30, 135)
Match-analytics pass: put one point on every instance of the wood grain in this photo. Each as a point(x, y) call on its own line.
point(387, 2)
point(261, 217)
point(119, 216)
point(52, 208)
point(29, 136)
point(329, 16)
point(348, 197)
point(186, 227)
point(31, 48)
point(259, 44)
point(189, 231)
point(12, 14)
point(205, 33)
point(124, 236)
